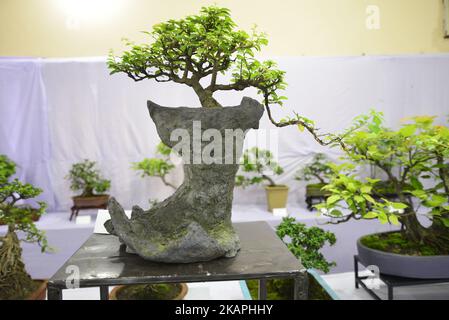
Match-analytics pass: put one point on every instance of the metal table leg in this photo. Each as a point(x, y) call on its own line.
point(104, 293)
point(54, 293)
point(301, 287)
point(356, 272)
point(390, 292)
point(263, 289)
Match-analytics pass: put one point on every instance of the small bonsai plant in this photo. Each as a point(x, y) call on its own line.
point(86, 178)
point(317, 170)
point(159, 166)
point(259, 164)
point(417, 152)
point(305, 243)
point(15, 282)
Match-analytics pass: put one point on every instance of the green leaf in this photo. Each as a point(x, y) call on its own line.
point(332, 199)
point(408, 130)
point(394, 219)
point(370, 215)
point(398, 205)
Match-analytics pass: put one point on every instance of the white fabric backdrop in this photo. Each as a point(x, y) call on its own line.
point(58, 111)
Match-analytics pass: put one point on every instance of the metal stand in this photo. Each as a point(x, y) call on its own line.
point(390, 281)
point(103, 262)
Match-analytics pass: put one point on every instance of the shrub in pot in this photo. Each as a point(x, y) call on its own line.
point(85, 177)
point(305, 243)
point(317, 170)
point(159, 167)
point(258, 165)
point(415, 159)
point(15, 282)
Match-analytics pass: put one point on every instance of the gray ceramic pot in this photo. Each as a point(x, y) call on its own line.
point(425, 267)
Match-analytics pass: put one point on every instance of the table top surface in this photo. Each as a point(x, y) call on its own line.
point(102, 260)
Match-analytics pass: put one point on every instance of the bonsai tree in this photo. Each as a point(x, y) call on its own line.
point(200, 48)
point(261, 165)
point(15, 282)
point(318, 169)
point(157, 167)
point(196, 51)
point(417, 152)
point(86, 178)
point(306, 242)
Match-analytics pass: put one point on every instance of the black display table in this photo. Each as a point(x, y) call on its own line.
point(390, 281)
point(103, 262)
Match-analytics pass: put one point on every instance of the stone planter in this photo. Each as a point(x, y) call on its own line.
point(420, 267)
point(276, 197)
point(194, 224)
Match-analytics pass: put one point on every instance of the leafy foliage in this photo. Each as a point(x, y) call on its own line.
point(199, 46)
point(14, 280)
point(86, 177)
point(157, 167)
point(260, 164)
point(409, 156)
point(318, 169)
point(306, 242)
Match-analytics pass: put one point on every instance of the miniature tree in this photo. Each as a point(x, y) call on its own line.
point(202, 47)
point(306, 242)
point(15, 282)
point(86, 178)
point(261, 165)
point(157, 167)
point(197, 51)
point(318, 169)
point(418, 151)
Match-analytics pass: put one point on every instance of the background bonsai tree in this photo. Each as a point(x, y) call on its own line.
point(417, 152)
point(260, 164)
point(318, 169)
point(15, 282)
point(86, 178)
point(157, 167)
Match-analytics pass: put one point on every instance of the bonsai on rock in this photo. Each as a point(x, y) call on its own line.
point(15, 282)
point(85, 177)
point(194, 224)
point(259, 167)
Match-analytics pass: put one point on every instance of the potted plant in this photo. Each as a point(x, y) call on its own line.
point(415, 160)
point(305, 243)
point(159, 167)
point(175, 291)
point(260, 165)
point(196, 51)
point(85, 177)
point(15, 282)
point(317, 170)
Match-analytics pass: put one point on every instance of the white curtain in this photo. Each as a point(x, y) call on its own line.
point(55, 112)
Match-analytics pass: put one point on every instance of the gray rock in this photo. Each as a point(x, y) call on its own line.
point(194, 224)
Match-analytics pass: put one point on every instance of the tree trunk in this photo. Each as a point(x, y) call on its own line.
point(206, 97)
point(15, 283)
point(194, 224)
